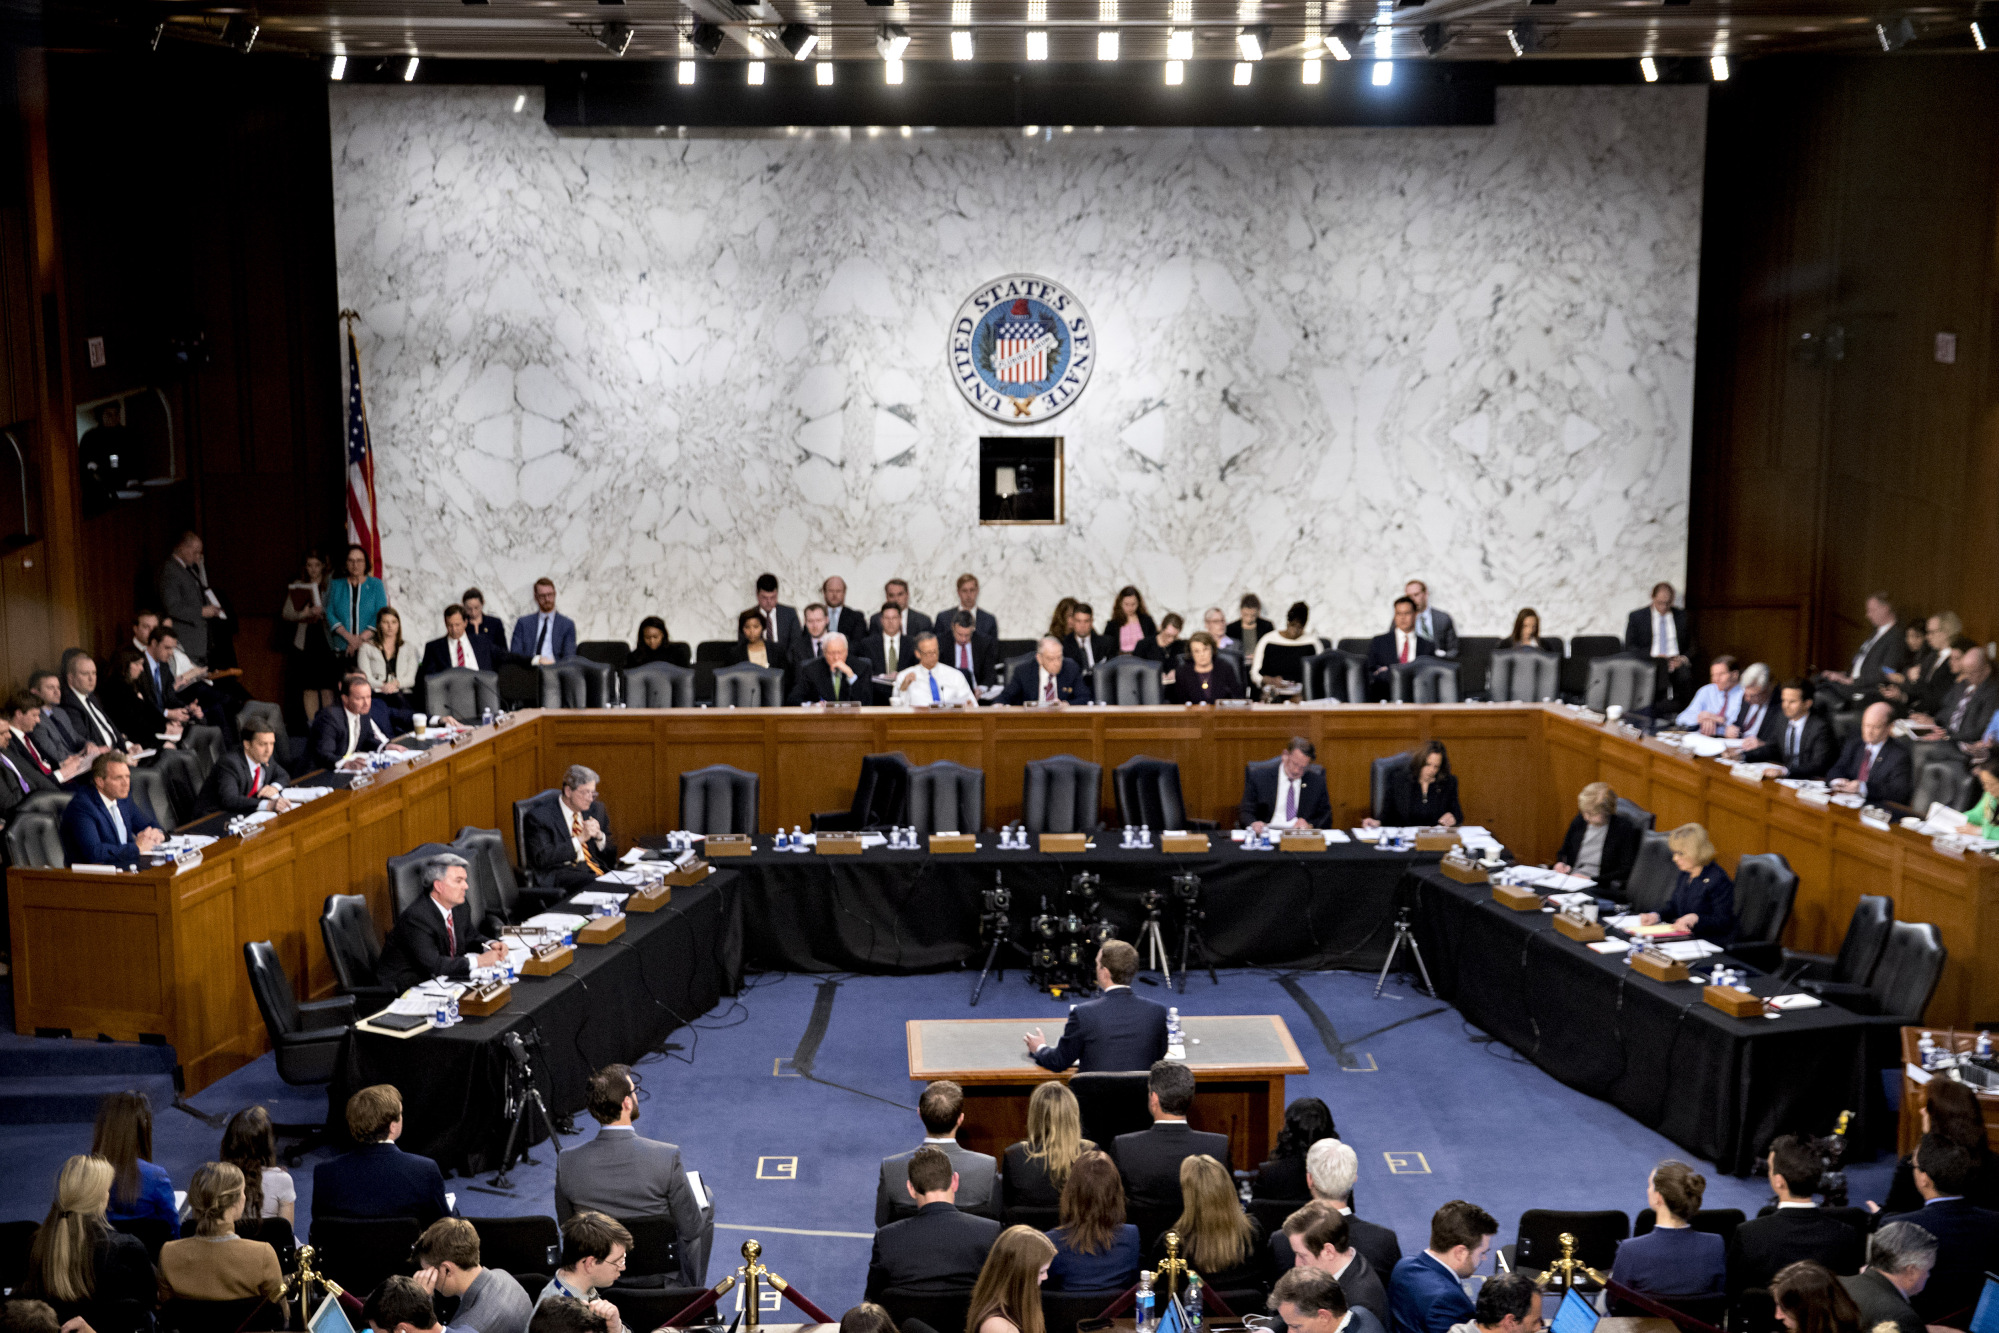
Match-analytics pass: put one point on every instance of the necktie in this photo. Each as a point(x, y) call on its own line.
point(838, 681)
point(815, 646)
point(576, 826)
point(1089, 656)
point(1048, 690)
point(1791, 740)
point(105, 733)
point(894, 658)
point(450, 937)
point(1291, 803)
point(935, 697)
point(1405, 647)
point(159, 687)
point(1957, 714)
point(118, 821)
point(1866, 764)
point(1659, 635)
point(15, 771)
point(36, 755)
point(458, 646)
point(965, 657)
point(256, 778)
point(541, 639)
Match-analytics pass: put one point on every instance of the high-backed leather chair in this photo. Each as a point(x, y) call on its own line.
point(1652, 874)
point(1859, 952)
point(288, 752)
point(307, 1037)
point(613, 653)
point(881, 797)
point(718, 799)
point(34, 841)
point(1948, 780)
point(946, 798)
point(577, 682)
point(1637, 814)
point(151, 792)
point(1625, 680)
point(492, 875)
point(1523, 675)
point(1062, 794)
point(1336, 675)
point(1904, 980)
point(1765, 888)
point(1147, 791)
point(659, 685)
point(1474, 658)
point(747, 685)
point(406, 885)
point(1018, 662)
point(1111, 1104)
point(1233, 656)
point(520, 686)
point(1583, 650)
point(1427, 680)
point(1125, 680)
point(347, 928)
point(461, 692)
point(1377, 780)
point(539, 800)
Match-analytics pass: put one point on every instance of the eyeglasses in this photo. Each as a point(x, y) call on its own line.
point(619, 1261)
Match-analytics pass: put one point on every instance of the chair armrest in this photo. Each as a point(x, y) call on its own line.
point(1844, 994)
point(1815, 965)
point(339, 1009)
point(313, 1037)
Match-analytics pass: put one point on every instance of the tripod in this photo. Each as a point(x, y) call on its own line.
point(1404, 934)
point(1188, 887)
point(1154, 940)
point(995, 922)
point(530, 1096)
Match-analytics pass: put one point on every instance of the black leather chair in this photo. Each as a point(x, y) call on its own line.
point(358, 1252)
point(881, 797)
point(275, 1232)
point(461, 692)
point(1859, 952)
point(747, 685)
point(1377, 780)
point(532, 1284)
point(1765, 887)
point(249, 1315)
point(1903, 981)
point(1336, 675)
point(183, 772)
point(1427, 680)
point(1062, 794)
point(1523, 675)
point(406, 884)
point(1474, 658)
point(655, 1253)
point(577, 682)
point(659, 685)
point(1537, 1239)
point(539, 800)
point(1624, 680)
point(308, 1039)
point(648, 1307)
point(1125, 680)
point(1062, 1311)
point(1018, 662)
point(499, 889)
point(520, 686)
point(150, 791)
point(1583, 650)
point(1358, 647)
point(1111, 1104)
point(17, 1240)
point(1148, 793)
point(613, 653)
point(347, 929)
point(944, 1312)
point(1024, 1215)
point(34, 840)
point(718, 799)
point(713, 652)
point(1233, 656)
point(1652, 874)
point(1637, 814)
point(152, 1232)
point(1948, 780)
point(520, 1244)
point(288, 752)
point(946, 798)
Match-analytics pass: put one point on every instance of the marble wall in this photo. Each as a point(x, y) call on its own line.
point(1328, 360)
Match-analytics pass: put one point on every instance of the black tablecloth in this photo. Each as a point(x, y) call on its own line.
point(899, 912)
point(1721, 1087)
point(611, 1005)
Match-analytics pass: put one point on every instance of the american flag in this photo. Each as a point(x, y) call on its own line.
point(362, 529)
point(1021, 356)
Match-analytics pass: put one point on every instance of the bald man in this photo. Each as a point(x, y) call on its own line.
point(1873, 765)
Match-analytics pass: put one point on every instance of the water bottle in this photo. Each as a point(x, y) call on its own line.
point(1145, 835)
point(486, 716)
point(1146, 1323)
point(797, 839)
point(782, 842)
point(442, 1018)
point(454, 1011)
point(1927, 1049)
point(1173, 1027)
point(1193, 1306)
point(1984, 1047)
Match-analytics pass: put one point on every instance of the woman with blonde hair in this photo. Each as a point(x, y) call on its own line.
point(1095, 1248)
point(1224, 1244)
point(1033, 1171)
point(78, 1264)
point(216, 1264)
point(1007, 1296)
point(1598, 845)
point(123, 1136)
point(1703, 901)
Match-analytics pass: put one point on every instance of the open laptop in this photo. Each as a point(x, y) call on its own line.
point(330, 1317)
point(1576, 1315)
point(1985, 1318)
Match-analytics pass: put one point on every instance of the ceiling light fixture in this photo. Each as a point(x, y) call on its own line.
point(1524, 36)
point(520, 102)
point(1176, 73)
point(1251, 41)
point(1243, 70)
point(756, 74)
point(961, 44)
point(823, 71)
point(1718, 67)
point(615, 37)
point(1649, 68)
point(339, 68)
point(1977, 35)
point(1179, 43)
point(798, 39)
point(1342, 40)
point(409, 71)
point(1107, 45)
point(891, 40)
point(1895, 34)
point(1312, 66)
point(1037, 45)
point(892, 70)
point(1384, 73)
point(683, 72)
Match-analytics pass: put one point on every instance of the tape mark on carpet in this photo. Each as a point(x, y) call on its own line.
point(796, 1231)
point(807, 1054)
point(1340, 1049)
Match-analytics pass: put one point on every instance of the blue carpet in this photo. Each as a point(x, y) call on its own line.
point(1433, 1113)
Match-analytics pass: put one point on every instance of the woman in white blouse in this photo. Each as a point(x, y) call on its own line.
point(390, 663)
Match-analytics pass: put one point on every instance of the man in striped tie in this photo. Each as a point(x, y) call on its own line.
point(569, 839)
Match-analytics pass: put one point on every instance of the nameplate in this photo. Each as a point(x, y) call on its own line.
point(952, 844)
point(1734, 1003)
point(1516, 897)
point(649, 899)
point(487, 999)
point(1747, 772)
point(1577, 929)
point(1463, 871)
point(548, 960)
point(1301, 842)
point(602, 929)
point(1436, 840)
point(683, 876)
point(1065, 842)
point(1657, 966)
point(726, 844)
point(837, 844)
point(1184, 844)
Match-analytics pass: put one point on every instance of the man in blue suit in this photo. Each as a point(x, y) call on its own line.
point(357, 725)
point(1311, 1300)
point(548, 636)
point(1054, 680)
point(378, 1179)
point(1967, 1236)
point(1118, 1031)
point(104, 826)
point(1426, 1292)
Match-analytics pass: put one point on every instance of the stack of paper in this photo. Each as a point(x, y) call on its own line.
point(1688, 951)
point(300, 795)
point(556, 921)
point(599, 898)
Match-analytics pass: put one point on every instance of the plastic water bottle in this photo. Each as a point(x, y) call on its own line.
point(782, 842)
point(486, 716)
point(1984, 1047)
point(442, 1018)
point(1145, 835)
point(1193, 1305)
point(1927, 1049)
point(454, 1011)
point(1146, 1323)
point(1173, 1037)
point(797, 839)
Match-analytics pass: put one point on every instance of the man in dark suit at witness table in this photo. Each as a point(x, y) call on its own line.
point(378, 1179)
point(1291, 795)
point(1119, 1031)
point(570, 843)
point(436, 936)
point(1150, 1160)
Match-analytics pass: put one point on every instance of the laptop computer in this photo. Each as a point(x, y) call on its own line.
point(1576, 1315)
point(1985, 1317)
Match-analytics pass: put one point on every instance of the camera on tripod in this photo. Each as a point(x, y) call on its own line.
point(998, 899)
point(1187, 888)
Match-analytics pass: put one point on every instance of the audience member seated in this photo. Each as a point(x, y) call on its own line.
point(1306, 1121)
point(547, 636)
point(391, 663)
point(973, 655)
point(1714, 703)
point(983, 624)
point(1290, 646)
point(1149, 1160)
point(1083, 645)
point(216, 1264)
point(250, 1144)
point(1292, 795)
point(1055, 679)
point(1660, 631)
point(489, 1300)
point(1432, 624)
point(459, 649)
point(751, 646)
point(569, 842)
point(829, 679)
point(1968, 705)
point(1223, 1243)
point(929, 683)
point(1330, 1169)
point(399, 1305)
point(105, 826)
point(249, 780)
point(622, 1175)
point(19, 1314)
point(1250, 623)
point(56, 736)
point(1804, 746)
point(810, 641)
point(23, 713)
point(1795, 1229)
point(1872, 765)
point(890, 647)
point(1703, 901)
point(650, 645)
point(168, 695)
point(1421, 793)
point(123, 703)
point(1508, 1303)
point(867, 1317)
point(1007, 1296)
point(561, 1314)
point(1926, 691)
point(1598, 845)
point(940, 1248)
point(1320, 1236)
point(14, 784)
point(123, 1136)
point(1309, 1300)
point(1967, 1235)
point(1810, 1299)
point(780, 623)
point(482, 626)
point(1673, 1259)
point(1217, 627)
point(594, 1251)
point(1165, 646)
point(1426, 1291)
point(1900, 1256)
point(86, 711)
point(80, 1265)
point(1034, 1172)
point(378, 1179)
point(1879, 656)
point(1132, 626)
point(942, 1110)
point(1120, 1030)
point(1526, 632)
point(1201, 675)
point(1095, 1248)
point(896, 593)
point(1951, 1109)
point(358, 725)
point(436, 936)
point(1399, 646)
point(352, 603)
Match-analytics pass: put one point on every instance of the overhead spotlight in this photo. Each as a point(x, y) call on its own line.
point(240, 33)
point(798, 39)
point(1176, 73)
point(1436, 37)
point(520, 102)
point(1384, 73)
point(1310, 70)
point(823, 72)
point(1977, 36)
point(756, 74)
point(1037, 45)
point(892, 71)
point(339, 68)
point(1243, 69)
point(1179, 43)
point(684, 72)
point(1342, 40)
point(615, 37)
point(1894, 34)
point(1107, 45)
point(1718, 67)
point(961, 44)
point(409, 71)
point(1648, 67)
point(706, 38)
point(891, 40)
point(1251, 41)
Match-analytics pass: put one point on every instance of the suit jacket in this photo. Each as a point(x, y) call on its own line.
point(1936, 681)
point(1892, 778)
point(1984, 697)
point(812, 682)
point(1381, 653)
point(157, 690)
point(329, 731)
point(848, 622)
point(1763, 1245)
point(89, 727)
point(1259, 796)
point(181, 598)
point(437, 655)
point(32, 771)
point(1380, 1244)
point(228, 785)
point(622, 1175)
point(1443, 631)
point(1673, 1261)
point(937, 1250)
point(1638, 631)
point(789, 627)
point(1102, 646)
point(551, 848)
point(1888, 653)
point(417, 949)
point(1620, 848)
point(132, 713)
point(1362, 1279)
point(1710, 895)
point(1426, 1297)
point(90, 838)
point(978, 1183)
point(1405, 803)
point(982, 623)
point(1185, 689)
point(913, 623)
point(493, 630)
point(1119, 1030)
point(1150, 1161)
point(561, 636)
point(1072, 686)
point(985, 657)
point(57, 737)
point(379, 1180)
point(1967, 1239)
point(875, 649)
point(1817, 747)
point(1881, 1302)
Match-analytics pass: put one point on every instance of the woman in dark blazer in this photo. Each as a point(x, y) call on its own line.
point(1703, 898)
point(1166, 647)
point(1203, 676)
point(749, 645)
point(1421, 792)
point(650, 645)
point(1034, 1171)
point(1616, 848)
point(1673, 1259)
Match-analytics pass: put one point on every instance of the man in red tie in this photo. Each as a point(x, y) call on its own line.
point(245, 783)
point(458, 649)
point(24, 714)
point(436, 936)
point(1401, 645)
point(974, 654)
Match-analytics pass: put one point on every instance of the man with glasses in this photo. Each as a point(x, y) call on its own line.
point(594, 1250)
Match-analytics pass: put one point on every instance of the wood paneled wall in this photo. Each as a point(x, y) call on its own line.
point(1852, 214)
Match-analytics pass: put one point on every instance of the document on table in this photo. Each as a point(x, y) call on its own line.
point(1611, 946)
point(1540, 877)
point(1689, 951)
point(598, 897)
point(557, 921)
point(422, 1001)
point(1795, 1000)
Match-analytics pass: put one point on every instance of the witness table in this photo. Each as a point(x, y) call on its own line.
point(1239, 1063)
point(1720, 1087)
point(609, 1006)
